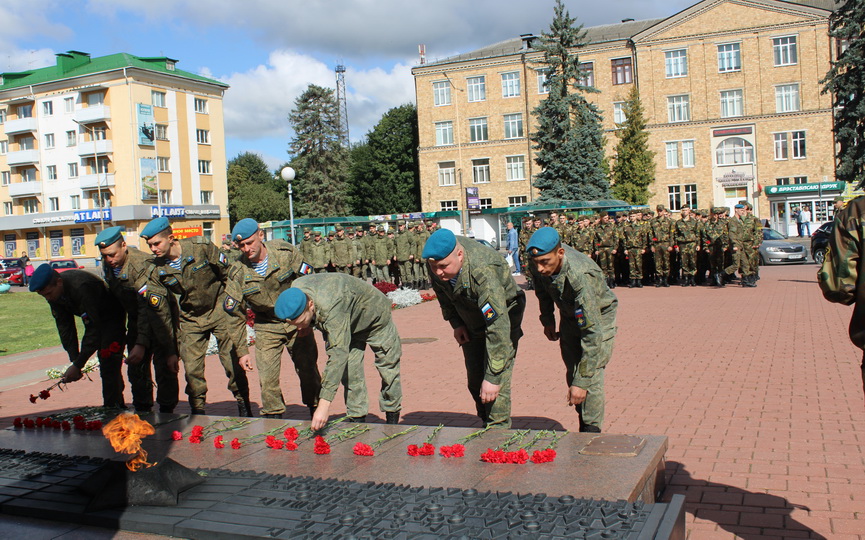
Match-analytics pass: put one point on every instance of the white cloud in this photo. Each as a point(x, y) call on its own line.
point(26, 19)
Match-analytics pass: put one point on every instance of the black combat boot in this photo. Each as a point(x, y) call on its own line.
point(356, 419)
point(243, 408)
point(659, 282)
point(666, 281)
point(391, 417)
point(274, 415)
point(198, 411)
point(631, 284)
point(638, 283)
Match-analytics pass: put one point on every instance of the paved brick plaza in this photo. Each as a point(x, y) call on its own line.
point(758, 390)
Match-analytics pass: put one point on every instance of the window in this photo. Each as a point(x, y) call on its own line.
point(28, 175)
point(75, 202)
point(200, 106)
point(513, 126)
point(619, 112)
point(106, 199)
point(784, 50)
point(477, 88)
point(478, 129)
point(4, 147)
point(100, 133)
point(731, 103)
point(781, 150)
point(31, 206)
point(518, 200)
point(25, 111)
point(71, 138)
point(734, 151)
point(688, 155)
point(485, 203)
point(790, 143)
point(51, 172)
point(622, 73)
point(674, 197)
point(161, 132)
point(204, 166)
point(510, 84)
point(797, 140)
point(691, 195)
point(26, 143)
point(441, 93)
point(7, 208)
point(676, 63)
point(729, 57)
point(73, 170)
point(5, 178)
point(515, 167)
point(206, 197)
point(53, 204)
point(672, 151)
point(47, 108)
point(202, 136)
point(95, 99)
point(69, 104)
point(794, 180)
point(444, 133)
point(162, 164)
point(481, 171)
point(101, 166)
point(543, 81)
point(447, 173)
point(157, 99)
point(2, 116)
point(448, 205)
point(678, 108)
point(49, 141)
point(170, 66)
point(165, 196)
point(787, 98)
point(587, 74)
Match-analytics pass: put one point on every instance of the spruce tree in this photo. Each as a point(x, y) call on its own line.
point(846, 81)
point(569, 139)
point(634, 164)
point(321, 162)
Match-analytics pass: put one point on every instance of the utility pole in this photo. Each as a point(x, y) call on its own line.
point(341, 104)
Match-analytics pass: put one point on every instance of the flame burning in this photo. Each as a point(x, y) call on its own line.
point(125, 433)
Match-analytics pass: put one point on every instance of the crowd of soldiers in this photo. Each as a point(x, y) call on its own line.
point(640, 247)
point(391, 255)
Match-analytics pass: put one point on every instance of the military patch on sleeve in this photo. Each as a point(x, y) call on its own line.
point(155, 300)
point(489, 313)
point(582, 322)
point(143, 290)
point(305, 269)
point(223, 260)
point(229, 304)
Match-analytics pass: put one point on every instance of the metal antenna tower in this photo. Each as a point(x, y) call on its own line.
point(340, 102)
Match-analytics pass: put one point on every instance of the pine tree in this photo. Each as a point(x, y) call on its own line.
point(846, 81)
point(634, 165)
point(318, 157)
point(569, 139)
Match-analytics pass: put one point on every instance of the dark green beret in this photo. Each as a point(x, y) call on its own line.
point(41, 277)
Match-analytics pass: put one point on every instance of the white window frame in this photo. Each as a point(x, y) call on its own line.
point(734, 154)
point(49, 141)
point(53, 204)
point(484, 203)
point(781, 145)
point(690, 195)
point(481, 171)
point(588, 71)
point(51, 172)
point(513, 124)
point(72, 168)
point(5, 178)
point(202, 136)
point(2, 116)
point(157, 98)
point(543, 81)
point(515, 168)
point(729, 57)
point(30, 206)
point(671, 150)
point(449, 205)
point(476, 88)
point(674, 197)
point(165, 196)
point(518, 200)
point(441, 93)
point(785, 51)
point(200, 105)
point(206, 197)
point(787, 98)
point(679, 108)
point(444, 133)
point(163, 164)
point(71, 138)
point(447, 173)
point(161, 132)
point(28, 174)
point(7, 208)
point(47, 108)
point(511, 84)
point(619, 116)
point(798, 145)
point(689, 156)
point(75, 202)
point(204, 166)
point(676, 63)
point(4, 148)
point(69, 104)
point(479, 129)
point(732, 103)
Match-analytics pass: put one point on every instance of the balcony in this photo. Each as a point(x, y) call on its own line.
point(88, 148)
point(25, 189)
point(96, 181)
point(20, 125)
point(94, 113)
point(22, 157)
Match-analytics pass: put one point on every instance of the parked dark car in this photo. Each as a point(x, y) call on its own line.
point(776, 249)
point(11, 270)
point(819, 241)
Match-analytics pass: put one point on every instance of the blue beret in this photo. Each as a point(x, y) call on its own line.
point(244, 228)
point(41, 277)
point(543, 241)
point(739, 206)
point(108, 236)
point(155, 227)
point(439, 245)
point(290, 304)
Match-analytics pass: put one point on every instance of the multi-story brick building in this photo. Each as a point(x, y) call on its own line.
point(115, 140)
point(731, 93)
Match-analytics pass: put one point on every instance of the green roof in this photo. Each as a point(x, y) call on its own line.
point(75, 64)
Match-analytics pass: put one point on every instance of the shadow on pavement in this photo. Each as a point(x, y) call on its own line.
point(747, 514)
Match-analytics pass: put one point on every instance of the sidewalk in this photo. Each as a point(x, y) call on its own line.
point(758, 391)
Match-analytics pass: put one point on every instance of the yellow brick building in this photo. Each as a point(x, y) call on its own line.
point(730, 89)
point(114, 140)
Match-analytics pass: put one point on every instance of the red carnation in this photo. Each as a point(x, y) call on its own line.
point(291, 446)
point(290, 434)
point(361, 449)
point(77, 418)
point(519, 457)
point(56, 424)
point(273, 442)
point(176, 435)
point(197, 431)
point(217, 442)
point(456, 450)
point(412, 450)
point(235, 443)
point(80, 426)
point(194, 440)
point(321, 446)
point(39, 421)
point(18, 423)
point(94, 425)
point(65, 425)
point(44, 394)
point(29, 424)
point(543, 456)
point(33, 398)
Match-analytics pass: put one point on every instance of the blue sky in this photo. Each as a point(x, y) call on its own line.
point(270, 50)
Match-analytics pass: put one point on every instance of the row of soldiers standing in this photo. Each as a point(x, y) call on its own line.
point(392, 255)
point(638, 247)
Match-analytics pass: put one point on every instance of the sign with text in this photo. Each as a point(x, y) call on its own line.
point(187, 232)
point(146, 125)
point(805, 188)
point(168, 211)
point(473, 201)
point(89, 216)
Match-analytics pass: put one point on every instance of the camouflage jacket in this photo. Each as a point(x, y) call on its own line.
point(663, 230)
point(319, 254)
point(341, 252)
point(686, 231)
point(129, 287)
point(405, 245)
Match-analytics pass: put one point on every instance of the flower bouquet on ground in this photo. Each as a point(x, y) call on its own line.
point(458, 449)
point(426, 449)
point(361, 449)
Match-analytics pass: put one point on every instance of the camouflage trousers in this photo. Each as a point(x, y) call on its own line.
point(591, 411)
point(420, 273)
point(662, 259)
point(406, 272)
point(635, 263)
point(606, 260)
point(387, 348)
point(741, 261)
point(359, 271)
point(192, 341)
point(141, 381)
point(342, 269)
point(382, 272)
point(688, 251)
point(270, 340)
point(753, 253)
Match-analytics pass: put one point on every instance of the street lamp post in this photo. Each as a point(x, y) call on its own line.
point(288, 175)
point(96, 172)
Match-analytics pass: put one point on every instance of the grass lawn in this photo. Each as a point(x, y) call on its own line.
point(26, 322)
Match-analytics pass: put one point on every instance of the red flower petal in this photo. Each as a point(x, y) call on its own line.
point(290, 434)
point(176, 435)
point(361, 449)
point(235, 443)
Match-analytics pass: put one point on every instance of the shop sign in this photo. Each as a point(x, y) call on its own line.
point(734, 178)
point(202, 211)
point(804, 188)
point(186, 232)
point(473, 201)
point(168, 211)
point(89, 216)
point(731, 131)
point(68, 218)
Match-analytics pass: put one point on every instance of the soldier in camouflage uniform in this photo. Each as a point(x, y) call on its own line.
point(753, 241)
point(351, 315)
point(405, 247)
point(607, 246)
point(634, 240)
point(305, 242)
point(357, 251)
point(522, 239)
point(420, 274)
point(687, 246)
point(739, 232)
point(382, 252)
point(368, 251)
point(583, 237)
point(662, 242)
point(716, 242)
point(341, 252)
point(254, 282)
point(481, 301)
point(620, 260)
point(318, 255)
point(194, 271)
point(573, 282)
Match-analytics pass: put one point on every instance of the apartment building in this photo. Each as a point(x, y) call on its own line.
point(730, 89)
point(116, 140)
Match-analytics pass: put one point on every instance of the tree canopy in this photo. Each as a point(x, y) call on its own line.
point(253, 191)
point(634, 164)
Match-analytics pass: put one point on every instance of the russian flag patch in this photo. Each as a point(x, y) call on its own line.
point(581, 318)
point(305, 269)
point(143, 289)
point(489, 313)
point(223, 259)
